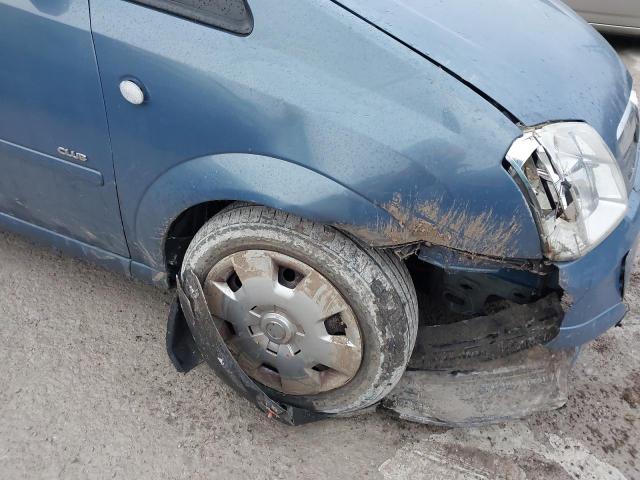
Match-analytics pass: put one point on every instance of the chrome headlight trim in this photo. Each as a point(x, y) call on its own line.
point(573, 184)
point(632, 108)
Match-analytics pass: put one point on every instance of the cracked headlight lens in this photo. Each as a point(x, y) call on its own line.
point(574, 185)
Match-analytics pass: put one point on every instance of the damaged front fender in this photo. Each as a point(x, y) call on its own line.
point(501, 228)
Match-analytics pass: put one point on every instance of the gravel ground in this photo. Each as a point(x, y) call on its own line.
point(87, 391)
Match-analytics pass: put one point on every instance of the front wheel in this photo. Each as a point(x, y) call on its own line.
point(319, 319)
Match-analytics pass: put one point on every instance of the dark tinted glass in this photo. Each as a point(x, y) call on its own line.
point(232, 15)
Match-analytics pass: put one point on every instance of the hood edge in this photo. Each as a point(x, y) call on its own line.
point(450, 72)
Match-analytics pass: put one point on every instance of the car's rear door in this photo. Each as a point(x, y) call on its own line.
point(56, 167)
point(624, 13)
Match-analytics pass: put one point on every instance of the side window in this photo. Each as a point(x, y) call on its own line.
point(231, 15)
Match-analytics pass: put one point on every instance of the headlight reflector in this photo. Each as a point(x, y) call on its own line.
point(574, 184)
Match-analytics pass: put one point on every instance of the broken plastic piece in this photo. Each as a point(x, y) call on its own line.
point(505, 389)
point(215, 352)
point(181, 347)
point(466, 344)
point(482, 392)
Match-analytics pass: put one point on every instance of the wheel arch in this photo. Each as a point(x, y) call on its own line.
point(187, 195)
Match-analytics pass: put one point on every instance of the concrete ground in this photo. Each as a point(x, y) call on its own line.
point(87, 391)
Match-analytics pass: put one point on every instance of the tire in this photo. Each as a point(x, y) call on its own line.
point(375, 285)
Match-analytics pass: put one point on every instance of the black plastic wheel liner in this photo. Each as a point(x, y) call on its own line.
point(466, 344)
point(187, 350)
point(181, 347)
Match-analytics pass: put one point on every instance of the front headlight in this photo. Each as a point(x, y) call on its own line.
point(574, 185)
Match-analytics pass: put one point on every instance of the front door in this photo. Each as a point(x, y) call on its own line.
point(56, 169)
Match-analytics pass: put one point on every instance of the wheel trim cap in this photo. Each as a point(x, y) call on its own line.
point(278, 332)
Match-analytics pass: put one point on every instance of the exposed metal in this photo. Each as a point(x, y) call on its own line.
point(521, 157)
point(552, 190)
point(288, 326)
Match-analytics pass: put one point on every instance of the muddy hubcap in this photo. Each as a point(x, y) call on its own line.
point(286, 324)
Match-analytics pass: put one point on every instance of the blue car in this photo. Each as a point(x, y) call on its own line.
point(358, 185)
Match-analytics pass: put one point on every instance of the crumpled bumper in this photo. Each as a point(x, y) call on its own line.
point(528, 382)
point(532, 379)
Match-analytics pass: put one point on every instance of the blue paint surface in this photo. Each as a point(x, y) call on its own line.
point(594, 283)
point(50, 97)
point(537, 59)
point(361, 114)
point(342, 101)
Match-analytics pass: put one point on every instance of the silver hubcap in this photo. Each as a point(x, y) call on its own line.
point(287, 325)
point(277, 328)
